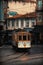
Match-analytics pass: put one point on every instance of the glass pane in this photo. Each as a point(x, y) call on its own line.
point(20, 37)
point(17, 24)
point(22, 23)
point(39, 4)
point(40, 18)
point(8, 22)
point(24, 37)
point(12, 22)
point(27, 23)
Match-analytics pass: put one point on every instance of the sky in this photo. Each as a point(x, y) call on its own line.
point(21, 7)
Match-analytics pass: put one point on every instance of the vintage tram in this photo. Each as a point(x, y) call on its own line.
point(21, 39)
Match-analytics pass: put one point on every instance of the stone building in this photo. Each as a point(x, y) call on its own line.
point(17, 21)
point(21, 21)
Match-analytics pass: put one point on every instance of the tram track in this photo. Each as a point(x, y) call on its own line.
point(24, 55)
point(16, 55)
point(13, 56)
point(34, 56)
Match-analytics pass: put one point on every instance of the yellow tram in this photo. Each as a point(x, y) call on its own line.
point(21, 39)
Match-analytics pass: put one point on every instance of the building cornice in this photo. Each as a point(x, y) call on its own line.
point(23, 16)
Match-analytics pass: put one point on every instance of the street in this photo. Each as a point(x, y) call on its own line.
point(10, 56)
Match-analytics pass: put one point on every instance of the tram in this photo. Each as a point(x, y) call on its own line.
point(21, 39)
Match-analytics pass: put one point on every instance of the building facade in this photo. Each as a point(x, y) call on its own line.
point(20, 22)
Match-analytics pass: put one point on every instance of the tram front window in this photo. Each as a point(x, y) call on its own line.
point(24, 37)
point(20, 37)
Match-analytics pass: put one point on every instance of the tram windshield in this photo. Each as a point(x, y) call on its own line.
point(23, 37)
point(20, 37)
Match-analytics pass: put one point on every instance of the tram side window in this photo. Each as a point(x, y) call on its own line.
point(24, 37)
point(20, 37)
point(28, 37)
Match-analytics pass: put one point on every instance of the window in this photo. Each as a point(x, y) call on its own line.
point(27, 23)
point(20, 37)
point(12, 22)
point(33, 22)
point(39, 17)
point(24, 37)
point(21, 23)
point(39, 4)
point(8, 22)
point(17, 24)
